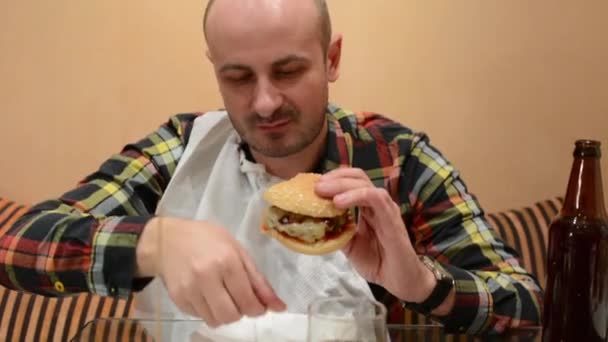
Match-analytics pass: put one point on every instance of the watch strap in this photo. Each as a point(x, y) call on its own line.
point(444, 285)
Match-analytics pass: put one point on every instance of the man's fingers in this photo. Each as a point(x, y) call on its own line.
point(333, 187)
point(344, 172)
point(241, 290)
point(220, 302)
point(203, 311)
point(265, 292)
point(188, 307)
point(372, 197)
point(379, 211)
point(195, 305)
point(360, 197)
point(261, 287)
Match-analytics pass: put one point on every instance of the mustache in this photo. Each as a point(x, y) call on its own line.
point(278, 115)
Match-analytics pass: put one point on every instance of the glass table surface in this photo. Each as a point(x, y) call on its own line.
point(132, 330)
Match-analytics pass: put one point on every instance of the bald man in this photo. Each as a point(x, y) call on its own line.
point(177, 213)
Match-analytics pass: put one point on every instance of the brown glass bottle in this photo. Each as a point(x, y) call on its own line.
point(576, 293)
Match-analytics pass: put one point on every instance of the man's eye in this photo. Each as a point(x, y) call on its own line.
point(238, 79)
point(287, 73)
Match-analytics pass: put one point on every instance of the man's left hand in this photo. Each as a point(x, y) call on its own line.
point(381, 250)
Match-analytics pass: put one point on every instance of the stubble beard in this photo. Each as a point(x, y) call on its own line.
point(272, 145)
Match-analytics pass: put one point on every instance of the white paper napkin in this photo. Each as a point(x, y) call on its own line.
point(284, 327)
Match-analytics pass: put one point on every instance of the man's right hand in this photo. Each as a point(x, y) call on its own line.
point(205, 270)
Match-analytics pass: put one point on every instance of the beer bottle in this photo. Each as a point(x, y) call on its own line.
point(576, 293)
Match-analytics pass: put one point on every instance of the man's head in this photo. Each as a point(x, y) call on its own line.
point(324, 22)
point(273, 60)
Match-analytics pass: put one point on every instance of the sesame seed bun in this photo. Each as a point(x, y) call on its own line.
point(297, 195)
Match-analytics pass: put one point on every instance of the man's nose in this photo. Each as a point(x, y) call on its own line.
point(267, 99)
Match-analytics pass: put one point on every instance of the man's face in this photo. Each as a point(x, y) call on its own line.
point(273, 77)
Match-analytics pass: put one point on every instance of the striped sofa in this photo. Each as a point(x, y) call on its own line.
point(27, 317)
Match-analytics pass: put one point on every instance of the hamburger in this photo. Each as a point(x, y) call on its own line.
point(303, 221)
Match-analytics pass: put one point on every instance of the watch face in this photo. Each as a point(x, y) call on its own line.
point(427, 261)
point(439, 274)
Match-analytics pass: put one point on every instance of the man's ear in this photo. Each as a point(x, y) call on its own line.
point(334, 52)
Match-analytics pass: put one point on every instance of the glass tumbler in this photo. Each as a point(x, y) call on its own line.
point(346, 319)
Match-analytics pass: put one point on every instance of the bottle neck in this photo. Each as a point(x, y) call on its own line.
point(585, 189)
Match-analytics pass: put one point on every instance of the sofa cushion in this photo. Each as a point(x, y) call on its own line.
point(30, 317)
point(9, 213)
point(526, 230)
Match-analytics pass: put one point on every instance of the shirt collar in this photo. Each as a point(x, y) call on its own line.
point(339, 149)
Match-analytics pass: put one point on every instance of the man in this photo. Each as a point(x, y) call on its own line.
point(183, 205)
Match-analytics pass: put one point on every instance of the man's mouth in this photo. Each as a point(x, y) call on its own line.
point(274, 126)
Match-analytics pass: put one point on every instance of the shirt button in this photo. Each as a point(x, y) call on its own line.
point(59, 286)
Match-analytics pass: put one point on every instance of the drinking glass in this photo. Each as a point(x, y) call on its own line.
point(346, 319)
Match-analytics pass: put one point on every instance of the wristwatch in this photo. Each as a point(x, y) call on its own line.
point(445, 283)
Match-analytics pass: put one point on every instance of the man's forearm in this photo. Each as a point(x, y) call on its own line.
point(54, 251)
point(483, 304)
point(477, 303)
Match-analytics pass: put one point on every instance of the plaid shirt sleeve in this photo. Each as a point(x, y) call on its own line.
point(493, 292)
point(85, 241)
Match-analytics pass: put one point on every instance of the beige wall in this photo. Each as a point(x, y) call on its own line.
point(502, 87)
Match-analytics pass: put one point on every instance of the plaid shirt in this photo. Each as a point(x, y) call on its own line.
point(86, 239)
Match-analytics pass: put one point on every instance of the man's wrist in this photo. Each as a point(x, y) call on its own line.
point(428, 282)
point(436, 295)
point(147, 250)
